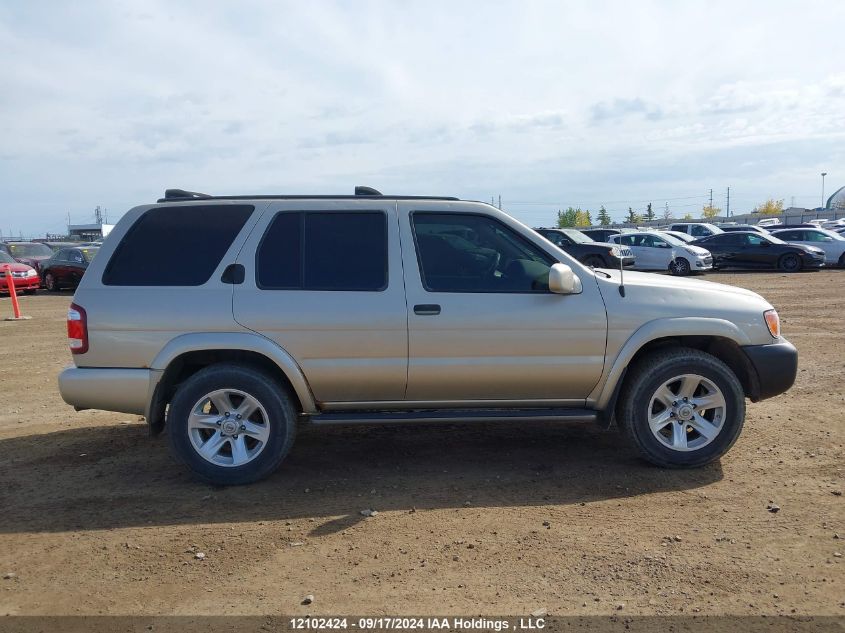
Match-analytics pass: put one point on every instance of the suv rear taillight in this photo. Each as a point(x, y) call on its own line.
point(77, 329)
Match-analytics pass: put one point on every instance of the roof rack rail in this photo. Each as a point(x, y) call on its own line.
point(181, 194)
point(361, 190)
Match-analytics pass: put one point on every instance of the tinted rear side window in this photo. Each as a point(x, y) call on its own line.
point(175, 246)
point(324, 251)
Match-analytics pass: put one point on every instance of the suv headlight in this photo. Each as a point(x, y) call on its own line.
point(616, 251)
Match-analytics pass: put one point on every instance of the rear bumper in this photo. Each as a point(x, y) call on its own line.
point(110, 389)
point(775, 366)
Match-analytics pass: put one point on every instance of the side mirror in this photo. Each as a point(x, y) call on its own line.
point(562, 281)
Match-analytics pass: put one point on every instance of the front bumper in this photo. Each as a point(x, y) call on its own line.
point(775, 367)
point(625, 261)
point(21, 283)
point(109, 388)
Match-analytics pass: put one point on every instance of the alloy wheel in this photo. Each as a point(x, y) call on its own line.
point(687, 412)
point(228, 427)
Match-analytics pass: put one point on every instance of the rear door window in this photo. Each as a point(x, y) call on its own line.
point(324, 250)
point(175, 245)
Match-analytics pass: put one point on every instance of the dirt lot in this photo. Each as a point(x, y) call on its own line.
point(96, 518)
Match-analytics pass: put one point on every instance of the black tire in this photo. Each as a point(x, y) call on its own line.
point(680, 267)
point(643, 381)
point(30, 291)
point(789, 263)
point(595, 261)
point(842, 260)
point(50, 283)
point(274, 397)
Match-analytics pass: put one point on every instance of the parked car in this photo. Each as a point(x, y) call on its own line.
point(604, 235)
point(819, 222)
point(745, 228)
point(832, 243)
point(748, 249)
point(696, 229)
point(29, 253)
point(684, 237)
point(658, 251)
point(834, 224)
point(586, 251)
point(769, 222)
point(262, 313)
point(24, 277)
point(66, 267)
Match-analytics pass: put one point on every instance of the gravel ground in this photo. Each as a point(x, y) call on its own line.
point(95, 517)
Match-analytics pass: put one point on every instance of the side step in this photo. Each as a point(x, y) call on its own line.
point(453, 416)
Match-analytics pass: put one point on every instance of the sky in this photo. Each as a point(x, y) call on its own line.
point(544, 104)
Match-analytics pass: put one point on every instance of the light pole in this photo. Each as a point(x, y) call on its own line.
point(824, 173)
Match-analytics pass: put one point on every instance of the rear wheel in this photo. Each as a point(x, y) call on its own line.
point(679, 267)
point(790, 263)
point(681, 408)
point(231, 424)
point(595, 261)
point(50, 282)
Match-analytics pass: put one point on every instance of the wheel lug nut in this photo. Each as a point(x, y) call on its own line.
point(219, 423)
point(239, 416)
point(243, 427)
point(235, 436)
point(228, 414)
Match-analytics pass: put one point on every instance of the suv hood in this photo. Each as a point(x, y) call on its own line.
point(656, 281)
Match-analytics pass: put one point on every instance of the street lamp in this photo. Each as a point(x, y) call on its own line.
point(824, 173)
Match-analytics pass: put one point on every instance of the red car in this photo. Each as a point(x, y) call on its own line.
point(29, 253)
point(25, 278)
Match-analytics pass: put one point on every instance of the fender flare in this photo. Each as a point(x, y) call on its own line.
point(669, 327)
point(242, 341)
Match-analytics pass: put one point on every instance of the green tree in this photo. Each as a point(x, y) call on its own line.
point(583, 218)
point(633, 217)
point(649, 213)
point(604, 217)
point(770, 207)
point(688, 216)
point(667, 214)
point(708, 212)
point(567, 218)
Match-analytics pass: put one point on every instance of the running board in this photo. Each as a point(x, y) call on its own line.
point(453, 416)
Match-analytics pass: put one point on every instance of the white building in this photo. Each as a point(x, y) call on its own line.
point(89, 232)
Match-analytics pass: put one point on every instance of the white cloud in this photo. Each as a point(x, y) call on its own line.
point(109, 103)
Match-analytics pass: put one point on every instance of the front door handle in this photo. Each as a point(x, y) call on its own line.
point(429, 309)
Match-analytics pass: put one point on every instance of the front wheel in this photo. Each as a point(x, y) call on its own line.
point(790, 263)
point(679, 267)
point(231, 424)
point(681, 408)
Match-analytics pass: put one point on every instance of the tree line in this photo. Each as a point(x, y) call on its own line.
point(574, 217)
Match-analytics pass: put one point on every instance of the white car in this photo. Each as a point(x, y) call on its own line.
point(834, 224)
point(696, 229)
point(818, 223)
point(659, 251)
point(769, 222)
point(832, 243)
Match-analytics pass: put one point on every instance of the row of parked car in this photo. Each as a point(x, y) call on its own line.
point(50, 265)
point(685, 248)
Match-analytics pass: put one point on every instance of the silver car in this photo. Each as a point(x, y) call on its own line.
point(658, 250)
point(260, 313)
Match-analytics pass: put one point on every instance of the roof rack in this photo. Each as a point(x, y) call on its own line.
point(181, 195)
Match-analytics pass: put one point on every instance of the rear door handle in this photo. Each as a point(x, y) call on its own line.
point(429, 309)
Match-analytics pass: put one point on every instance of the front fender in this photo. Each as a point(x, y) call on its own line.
point(668, 327)
point(245, 341)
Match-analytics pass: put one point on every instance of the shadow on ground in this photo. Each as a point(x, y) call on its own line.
point(116, 476)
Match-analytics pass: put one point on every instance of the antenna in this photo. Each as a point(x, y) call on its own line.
point(621, 269)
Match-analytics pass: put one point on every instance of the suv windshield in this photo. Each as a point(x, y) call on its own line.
point(30, 250)
point(576, 236)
